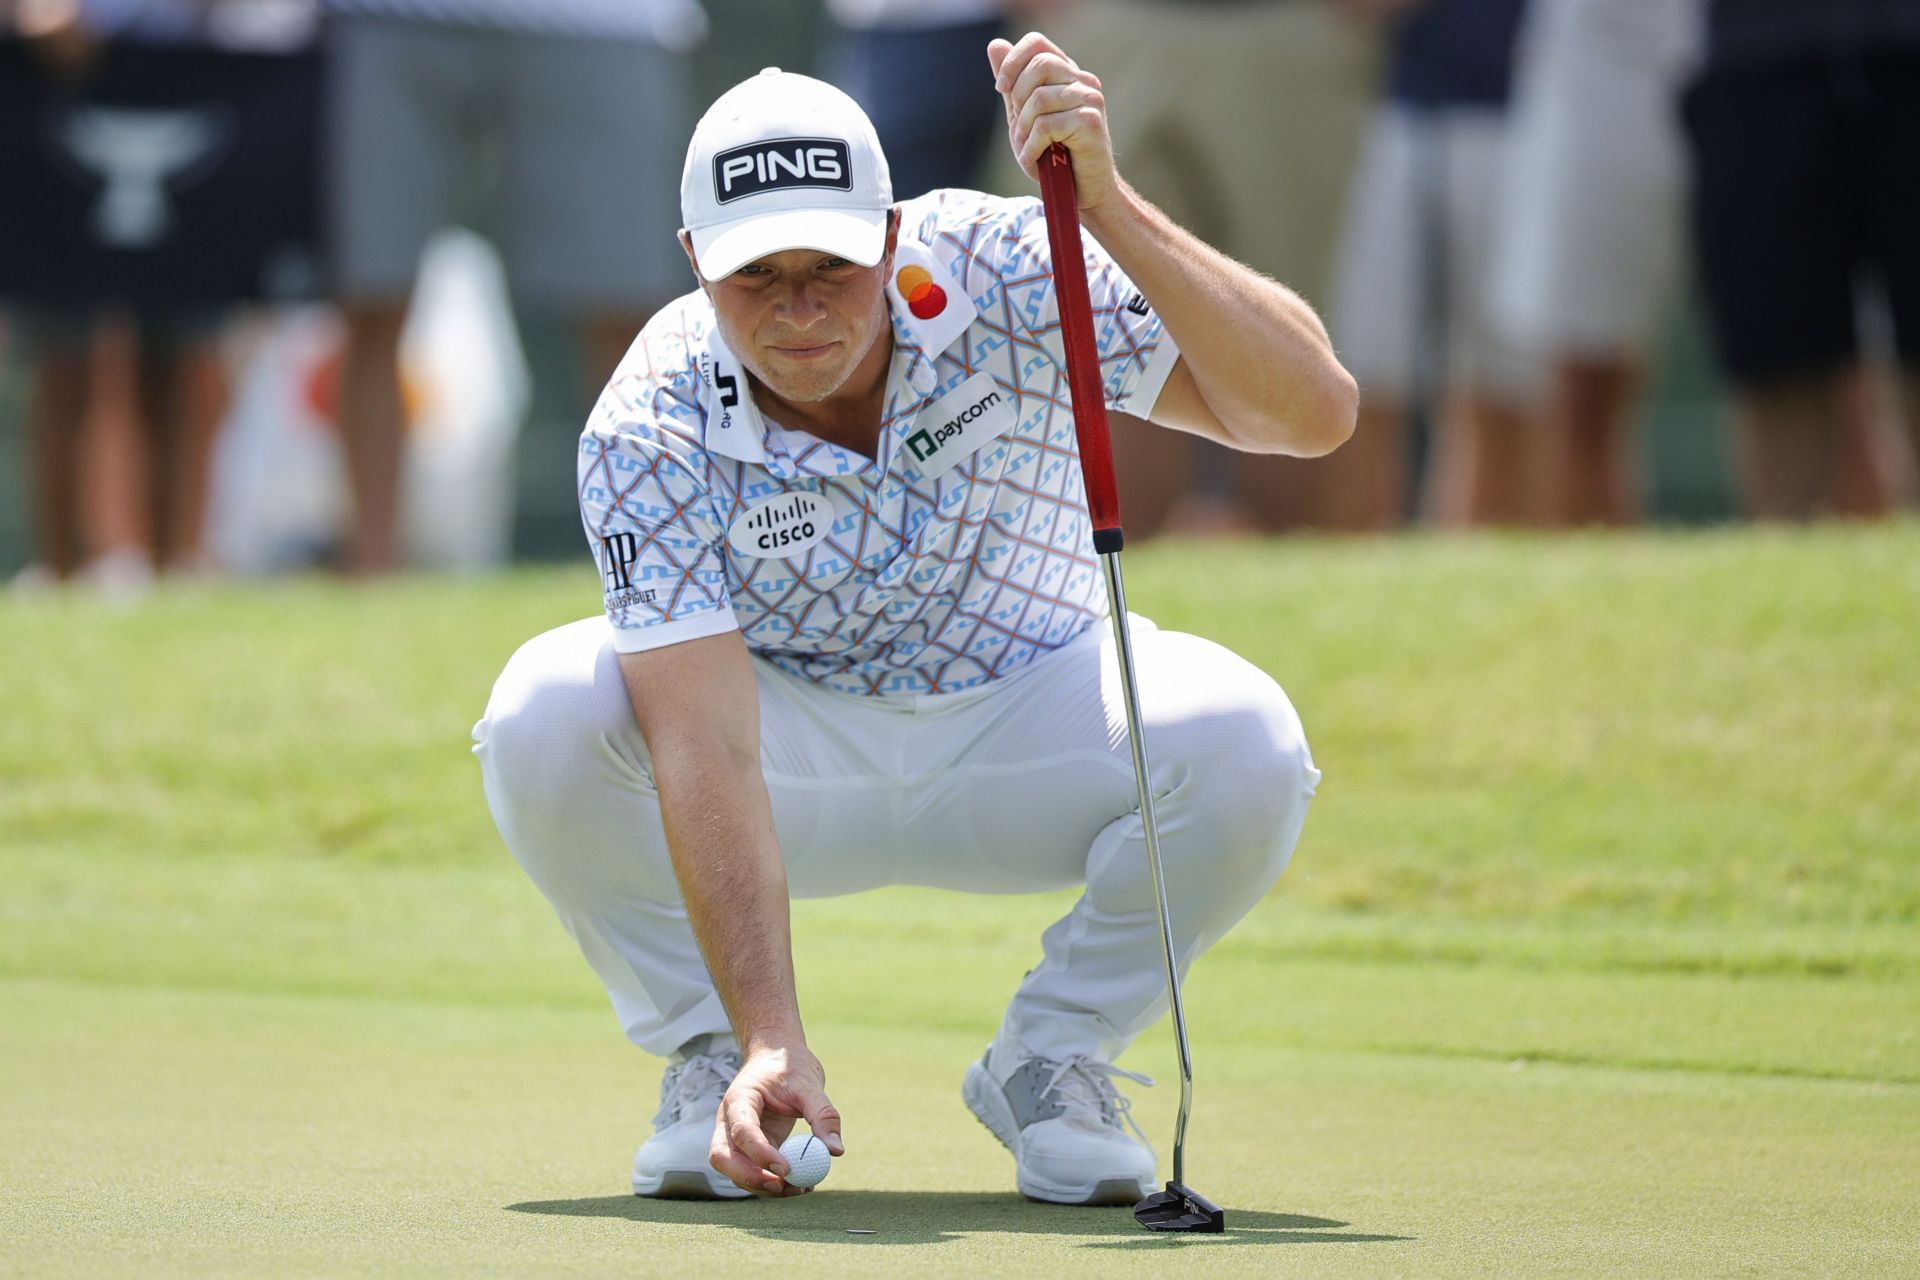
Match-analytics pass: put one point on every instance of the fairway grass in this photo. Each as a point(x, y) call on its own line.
point(1599, 955)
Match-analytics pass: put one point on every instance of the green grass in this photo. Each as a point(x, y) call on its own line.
point(1599, 954)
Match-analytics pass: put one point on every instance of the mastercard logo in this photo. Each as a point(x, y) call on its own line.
point(924, 298)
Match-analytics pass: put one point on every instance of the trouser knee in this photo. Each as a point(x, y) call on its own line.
point(565, 769)
point(1247, 777)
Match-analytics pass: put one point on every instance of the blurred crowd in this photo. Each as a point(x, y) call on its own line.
point(223, 214)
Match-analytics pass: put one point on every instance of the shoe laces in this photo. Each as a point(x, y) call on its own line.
point(1086, 1082)
point(703, 1078)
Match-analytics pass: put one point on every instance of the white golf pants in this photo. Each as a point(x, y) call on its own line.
point(1021, 786)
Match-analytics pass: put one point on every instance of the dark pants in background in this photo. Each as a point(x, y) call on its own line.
point(930, 95)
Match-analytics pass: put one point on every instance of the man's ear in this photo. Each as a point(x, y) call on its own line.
point(686, 243)
point(893, 239)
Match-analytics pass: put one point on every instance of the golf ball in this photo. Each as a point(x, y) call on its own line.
point(807, 1160)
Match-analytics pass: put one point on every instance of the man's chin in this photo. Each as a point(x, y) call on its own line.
point(804, 385)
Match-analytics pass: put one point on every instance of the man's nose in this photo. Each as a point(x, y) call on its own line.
point(801, 307)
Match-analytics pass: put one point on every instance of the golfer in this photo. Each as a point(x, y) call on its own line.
point(854, 632)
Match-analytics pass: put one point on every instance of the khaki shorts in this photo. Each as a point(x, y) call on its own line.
point(565, 150)
point(1411, 307)
point(1591, 234)
point(1242, 121)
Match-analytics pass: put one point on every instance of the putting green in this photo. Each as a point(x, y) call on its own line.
point(1599, 956)
point(197, 1132)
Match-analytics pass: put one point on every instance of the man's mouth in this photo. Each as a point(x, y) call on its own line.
point(808, 351)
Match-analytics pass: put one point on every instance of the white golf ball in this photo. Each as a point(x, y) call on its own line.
point(807, 1160)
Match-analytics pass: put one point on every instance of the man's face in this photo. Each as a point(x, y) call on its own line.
point(801, 320)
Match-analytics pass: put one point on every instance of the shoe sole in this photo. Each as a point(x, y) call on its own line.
point(988, 1102)
point(687, 1184)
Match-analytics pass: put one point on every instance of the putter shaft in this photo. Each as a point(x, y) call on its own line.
point(1123, 639)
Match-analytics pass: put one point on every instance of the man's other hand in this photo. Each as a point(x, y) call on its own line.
point(775, 1088)
point(1050, 99)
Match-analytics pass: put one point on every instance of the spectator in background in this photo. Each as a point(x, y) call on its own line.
point(1800, 127)
point(914, 68)
point(128, 395)
point(579, 106)
point(121, 426)
point(1593, 223)
point(1295, 75)
point(1410, 314)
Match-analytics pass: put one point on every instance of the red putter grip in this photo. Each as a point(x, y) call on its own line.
point(1083, 358)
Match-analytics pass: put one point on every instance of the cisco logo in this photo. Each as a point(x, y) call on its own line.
point(782, 526)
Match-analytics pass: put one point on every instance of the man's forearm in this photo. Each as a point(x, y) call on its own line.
point(719, 827)
point(1259, 356)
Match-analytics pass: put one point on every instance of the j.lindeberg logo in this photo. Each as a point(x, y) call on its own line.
point(778, 163)
point(727, 387)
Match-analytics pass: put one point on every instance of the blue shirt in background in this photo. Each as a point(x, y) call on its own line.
point(1456, 53)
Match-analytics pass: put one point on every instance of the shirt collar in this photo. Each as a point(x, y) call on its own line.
point(930, 310)
point(734, 426)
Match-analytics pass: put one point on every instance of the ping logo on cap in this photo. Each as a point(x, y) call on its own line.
point(778, 163)
point(924, 298)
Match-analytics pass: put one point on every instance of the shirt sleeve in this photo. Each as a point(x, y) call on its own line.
point(1136, 352)
point(649, 523)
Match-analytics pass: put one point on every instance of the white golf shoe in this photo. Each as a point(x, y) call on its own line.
point(672, 1164)
point(1066, 1125)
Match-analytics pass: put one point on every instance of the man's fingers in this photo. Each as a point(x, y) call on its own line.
point(997, 51)
point(740, 1171)
point(759, 1112)
point(1046, 68)
point(743, 1173)
point(1005, 51)
point(746, 1138)
point(1060, 126)
point(1012, 62)
point(825, 1123)
point(1048, 99)
point(740, 1135)
point(1052, 98)
point(734, 1166)
point(1024, 51)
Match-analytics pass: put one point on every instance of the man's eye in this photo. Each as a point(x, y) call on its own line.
point(834, 264)
point(752, 270)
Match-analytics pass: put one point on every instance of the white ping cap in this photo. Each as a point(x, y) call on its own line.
point(784, 161)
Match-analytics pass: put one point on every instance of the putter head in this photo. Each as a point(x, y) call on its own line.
point(1179, 1208)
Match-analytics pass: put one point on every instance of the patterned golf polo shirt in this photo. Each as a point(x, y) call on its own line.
point(957, 555)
